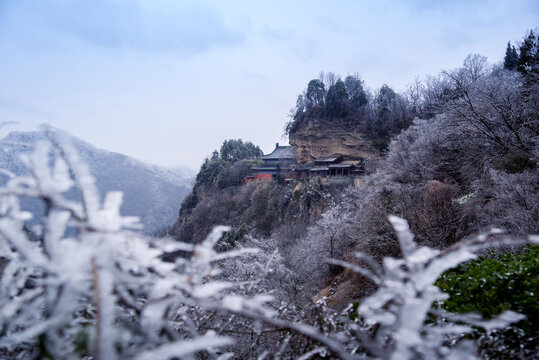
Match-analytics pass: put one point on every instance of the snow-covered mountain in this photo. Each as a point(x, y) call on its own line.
point(153, 193)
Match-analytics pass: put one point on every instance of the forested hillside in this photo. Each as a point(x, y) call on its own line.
point(467, 161)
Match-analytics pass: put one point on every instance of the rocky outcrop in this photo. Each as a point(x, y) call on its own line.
point(314, 139)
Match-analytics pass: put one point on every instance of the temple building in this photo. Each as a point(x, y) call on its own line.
point(331, 166)
point(279, 162)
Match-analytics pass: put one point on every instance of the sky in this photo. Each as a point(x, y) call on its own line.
point(167, 81)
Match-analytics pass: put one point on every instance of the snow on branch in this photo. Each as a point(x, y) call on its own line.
point(406, 291)
point(74, 287)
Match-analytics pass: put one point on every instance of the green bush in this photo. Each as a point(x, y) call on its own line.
point(490, 286)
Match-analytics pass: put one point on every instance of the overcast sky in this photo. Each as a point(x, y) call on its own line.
point(167, 81)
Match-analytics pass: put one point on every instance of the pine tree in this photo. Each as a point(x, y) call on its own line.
point(336, 99)
point(356, 94)
point(316, 92)
point(510, 61)
point(528, 53)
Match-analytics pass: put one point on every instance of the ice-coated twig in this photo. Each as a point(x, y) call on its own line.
point(406, 293)
point(184, 347)
point(308, 331)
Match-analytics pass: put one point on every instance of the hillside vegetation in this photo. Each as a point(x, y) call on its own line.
point(221, 196)
point(468, 161)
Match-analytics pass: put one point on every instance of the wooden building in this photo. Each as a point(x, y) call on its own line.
point(278, 163)
point(281, 163)
point(333, 166)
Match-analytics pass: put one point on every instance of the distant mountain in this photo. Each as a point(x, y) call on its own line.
point(153, 193)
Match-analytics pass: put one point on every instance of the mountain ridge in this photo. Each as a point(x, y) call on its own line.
point(151, 192)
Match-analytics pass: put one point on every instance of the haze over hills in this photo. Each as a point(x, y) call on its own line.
point(151, 192)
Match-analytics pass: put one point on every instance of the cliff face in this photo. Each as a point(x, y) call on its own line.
point(314, 139)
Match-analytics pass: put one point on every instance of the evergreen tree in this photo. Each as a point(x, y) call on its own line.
point(384, 103)
point(299, 110)
point(528, 53)
point(357, 97)
point(514, 54)
point(316, 92)
point(336, 99)
point(389, 117)
point(234, 150)
point(510, 61)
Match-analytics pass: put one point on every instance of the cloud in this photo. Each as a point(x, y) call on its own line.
point(11, 110)
point(186, 27)
point(277, 33)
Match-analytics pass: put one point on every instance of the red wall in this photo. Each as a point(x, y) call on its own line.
point(262, 177)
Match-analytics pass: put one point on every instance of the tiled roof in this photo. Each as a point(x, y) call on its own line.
point(272, 168)
point(305, 166)
point(329, 159)
point(280, 152)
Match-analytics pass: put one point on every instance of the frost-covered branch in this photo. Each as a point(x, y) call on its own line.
point(401, 306)
point(83, 275)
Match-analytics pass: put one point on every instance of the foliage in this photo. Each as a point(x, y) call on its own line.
point(261, 205)
point(336, 100)
point(510, 61)
point(235, 150)
point(347, 101)
point(357, 97)
point(225, 168)
point(527, 61)
point(318, 103)
point(489, 286)
point(316, 93)
point(233, 238)
point(492, 105)
point(509, 200)
point(405, 324)
point(390, 115)
point(483, 144)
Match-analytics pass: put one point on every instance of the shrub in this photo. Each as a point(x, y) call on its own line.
point(490, 286)
point(514, 162)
